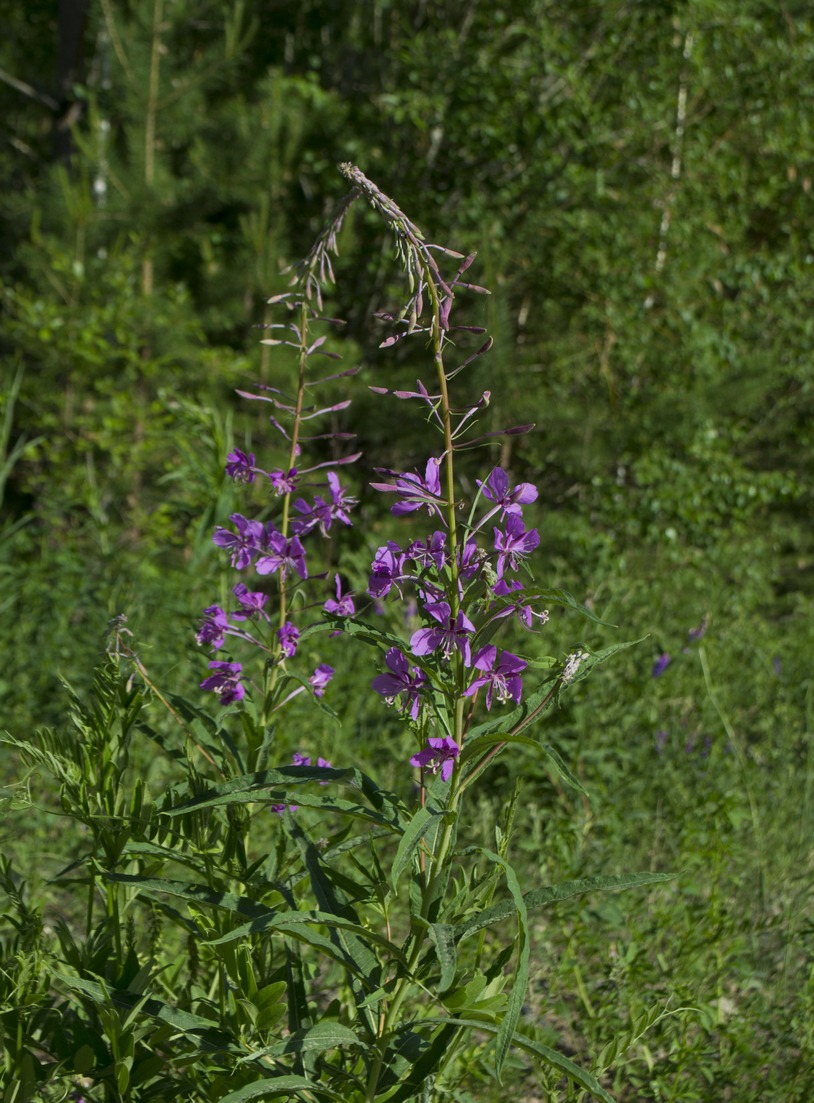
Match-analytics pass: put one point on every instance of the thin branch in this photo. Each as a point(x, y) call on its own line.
point(28, 90)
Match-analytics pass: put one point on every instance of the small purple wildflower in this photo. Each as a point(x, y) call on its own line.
point(251, 602)
point(514, 544)
point(414, 491)
point(403, 680)
point(214, 627)
point(320, 678)
point(288, 636)
point(696, 633)
point(324, 764)
point(501, 677)
point(452, 632)
point(245, 544)
point(660, 665)
point(322, 512)
point(225, 682)
point(342, 605)
point(240, 466)
point(440, 751)
point(281, 555)
point(777, 666)
point(496, 489)
point(282, 483)
point(298, 759)
point(387, 570)
point(429, 553)
point(471, 560)
point(661, 740)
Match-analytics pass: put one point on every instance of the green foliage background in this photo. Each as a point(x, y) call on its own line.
point(637, 178)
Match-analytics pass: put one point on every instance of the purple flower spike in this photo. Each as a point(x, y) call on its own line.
point(660, 665)
point(225, 682)
point(497, 490)
point(240, 466)
point(414, 491)
point(214, 627)
point(320, 678)
point(403, 680)
point(342, 605)
point(245, 544)
point(502, 680)
point(452, 632)
point(288, 636)
point(440, 751)
point(282, 554)
point(251, 602)
point(514, 544)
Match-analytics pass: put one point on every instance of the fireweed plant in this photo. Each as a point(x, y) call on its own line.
point(412, 997)
point(369, 951)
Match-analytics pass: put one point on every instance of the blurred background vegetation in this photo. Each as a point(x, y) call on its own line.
point(637, 178)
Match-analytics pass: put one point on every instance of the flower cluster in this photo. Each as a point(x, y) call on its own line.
point(464, 588)
point(270, 551)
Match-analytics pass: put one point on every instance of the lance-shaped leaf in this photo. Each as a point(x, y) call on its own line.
point(538, 898)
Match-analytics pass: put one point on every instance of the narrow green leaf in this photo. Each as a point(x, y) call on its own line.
point(205, 1034)
point(424, 819)
point(564, 772)
point(258, 786)
point(280, 1085)
point(413, 1080)
point(511, 1016)
point(551, 1056)
point(538, 898)
point(316, 1039)
point(443, 937)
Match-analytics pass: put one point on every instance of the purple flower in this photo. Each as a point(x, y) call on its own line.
point(214, 627)
point(324, 764)
point(240, 467)
point(342, 605)
point(414, 491)
point(502, 679)
point(514, 544)
point(225, 682)
point(288, 636)
point(341, 500)
point(244, 544)
point(440, 751)
point(471, 559)
point(320, 678)
point(660, 665)
point(453, 632)
point(496, 489)
point(429, 553)
point(661, 740)
point(282, 554)
point(403, 680)
point(298, 759)
point(251, 602)
point(282, 483)
point(387, 569)
point(696, 633)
